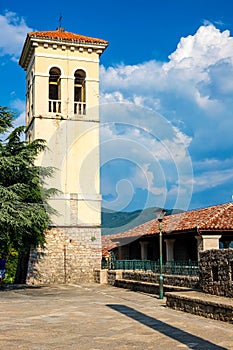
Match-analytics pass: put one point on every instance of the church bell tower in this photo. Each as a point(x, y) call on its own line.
point(62, 107)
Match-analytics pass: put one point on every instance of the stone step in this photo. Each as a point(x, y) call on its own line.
point(186, 299)
point(146, 287)
point(202, 304)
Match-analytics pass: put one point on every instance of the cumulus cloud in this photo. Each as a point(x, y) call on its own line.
point(154, 151)
point(203, 49)
point(194, 94)
point(212, 179)
point(19, 106)
point(167, 120)
point(15, 30)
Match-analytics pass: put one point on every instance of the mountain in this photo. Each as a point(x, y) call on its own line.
point(119, 221)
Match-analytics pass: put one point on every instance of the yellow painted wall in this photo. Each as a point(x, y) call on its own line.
point(72, 140)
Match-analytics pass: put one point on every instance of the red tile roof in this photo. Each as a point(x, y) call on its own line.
point(63, 35)
point(58, 36)
point(214, 218)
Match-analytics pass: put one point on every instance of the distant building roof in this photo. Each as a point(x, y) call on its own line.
point(215, 218)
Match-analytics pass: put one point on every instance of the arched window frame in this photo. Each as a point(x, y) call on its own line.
point(80, 92)
point(54, 90)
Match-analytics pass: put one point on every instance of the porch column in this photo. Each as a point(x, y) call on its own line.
point(210, 242)
point(120, 252)
point(206, 242)
point(199, 246)
point(169, 249)
point(144, 245)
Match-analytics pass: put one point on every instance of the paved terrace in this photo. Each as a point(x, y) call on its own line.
point(97, 317)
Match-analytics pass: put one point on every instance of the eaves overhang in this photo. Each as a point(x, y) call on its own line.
point(33, 40)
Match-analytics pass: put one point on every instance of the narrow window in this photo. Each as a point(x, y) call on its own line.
point(54, 90)
point(79, 92)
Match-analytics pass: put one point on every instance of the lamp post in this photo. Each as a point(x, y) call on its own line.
point(160, 220)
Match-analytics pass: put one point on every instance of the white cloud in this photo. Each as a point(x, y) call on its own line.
point(201, 64)
point(20, 120)
point(155, 111)
point(19, 106)
point(213, 172)
point(201, 50)
point(15, 31)
point(194, 94)
point(112, 97)
point(212, 179)
point(145, 179)
point(155, 151)
point(140, 78)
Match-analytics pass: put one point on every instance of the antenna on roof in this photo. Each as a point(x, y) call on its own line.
point(60, 28)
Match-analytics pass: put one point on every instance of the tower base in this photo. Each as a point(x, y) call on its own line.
point(70, 255)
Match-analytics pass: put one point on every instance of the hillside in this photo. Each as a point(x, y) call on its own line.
point(114, 222)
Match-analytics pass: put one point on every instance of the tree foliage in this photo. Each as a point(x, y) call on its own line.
point(24, 210)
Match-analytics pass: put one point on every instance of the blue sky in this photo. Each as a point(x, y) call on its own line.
point(166, 84)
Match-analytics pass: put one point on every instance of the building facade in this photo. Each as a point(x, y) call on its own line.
point(184, 236)
point(62, 107)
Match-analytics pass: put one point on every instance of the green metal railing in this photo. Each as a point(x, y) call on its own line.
point(188, 268)
point(144, 265)
point(184, 268)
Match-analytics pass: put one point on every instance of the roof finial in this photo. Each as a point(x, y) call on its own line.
point(60, 23)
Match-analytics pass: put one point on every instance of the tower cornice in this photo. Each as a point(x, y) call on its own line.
point(59, 38)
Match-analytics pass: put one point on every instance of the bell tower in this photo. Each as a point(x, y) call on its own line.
point(62, 107)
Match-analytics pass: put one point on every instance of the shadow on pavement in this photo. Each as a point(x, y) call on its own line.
point(7, 287)
point(190, 340)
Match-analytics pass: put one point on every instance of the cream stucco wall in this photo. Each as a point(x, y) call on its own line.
point(68, 62)
point(72, 140)
point(73, 244)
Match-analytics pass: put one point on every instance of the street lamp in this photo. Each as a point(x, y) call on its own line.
point(160, 217)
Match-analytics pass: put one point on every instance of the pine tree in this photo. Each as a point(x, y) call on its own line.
point(24, 210)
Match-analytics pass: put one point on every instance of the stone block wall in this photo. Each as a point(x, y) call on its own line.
point(172, 280)
point(142, 276)
point(101, 276)
point(199, 305)
point(70, 255)
point(182, 281)
point(113, 276)
point(216, 272)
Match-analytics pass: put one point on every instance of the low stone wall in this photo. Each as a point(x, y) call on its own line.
point(113, 276)
point(138, 286)
point(216, 272)
point(198, 304)
point(171, 280)
point(141, 276)
point(101, 276)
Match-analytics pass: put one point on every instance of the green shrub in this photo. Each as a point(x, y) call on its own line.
point(11, 266)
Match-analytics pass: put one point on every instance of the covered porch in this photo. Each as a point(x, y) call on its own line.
point(184, 236)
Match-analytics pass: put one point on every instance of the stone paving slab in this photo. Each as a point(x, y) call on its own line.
point(97, 317)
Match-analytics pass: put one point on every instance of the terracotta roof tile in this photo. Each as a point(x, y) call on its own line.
point(214, 218)
point(63, 35)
